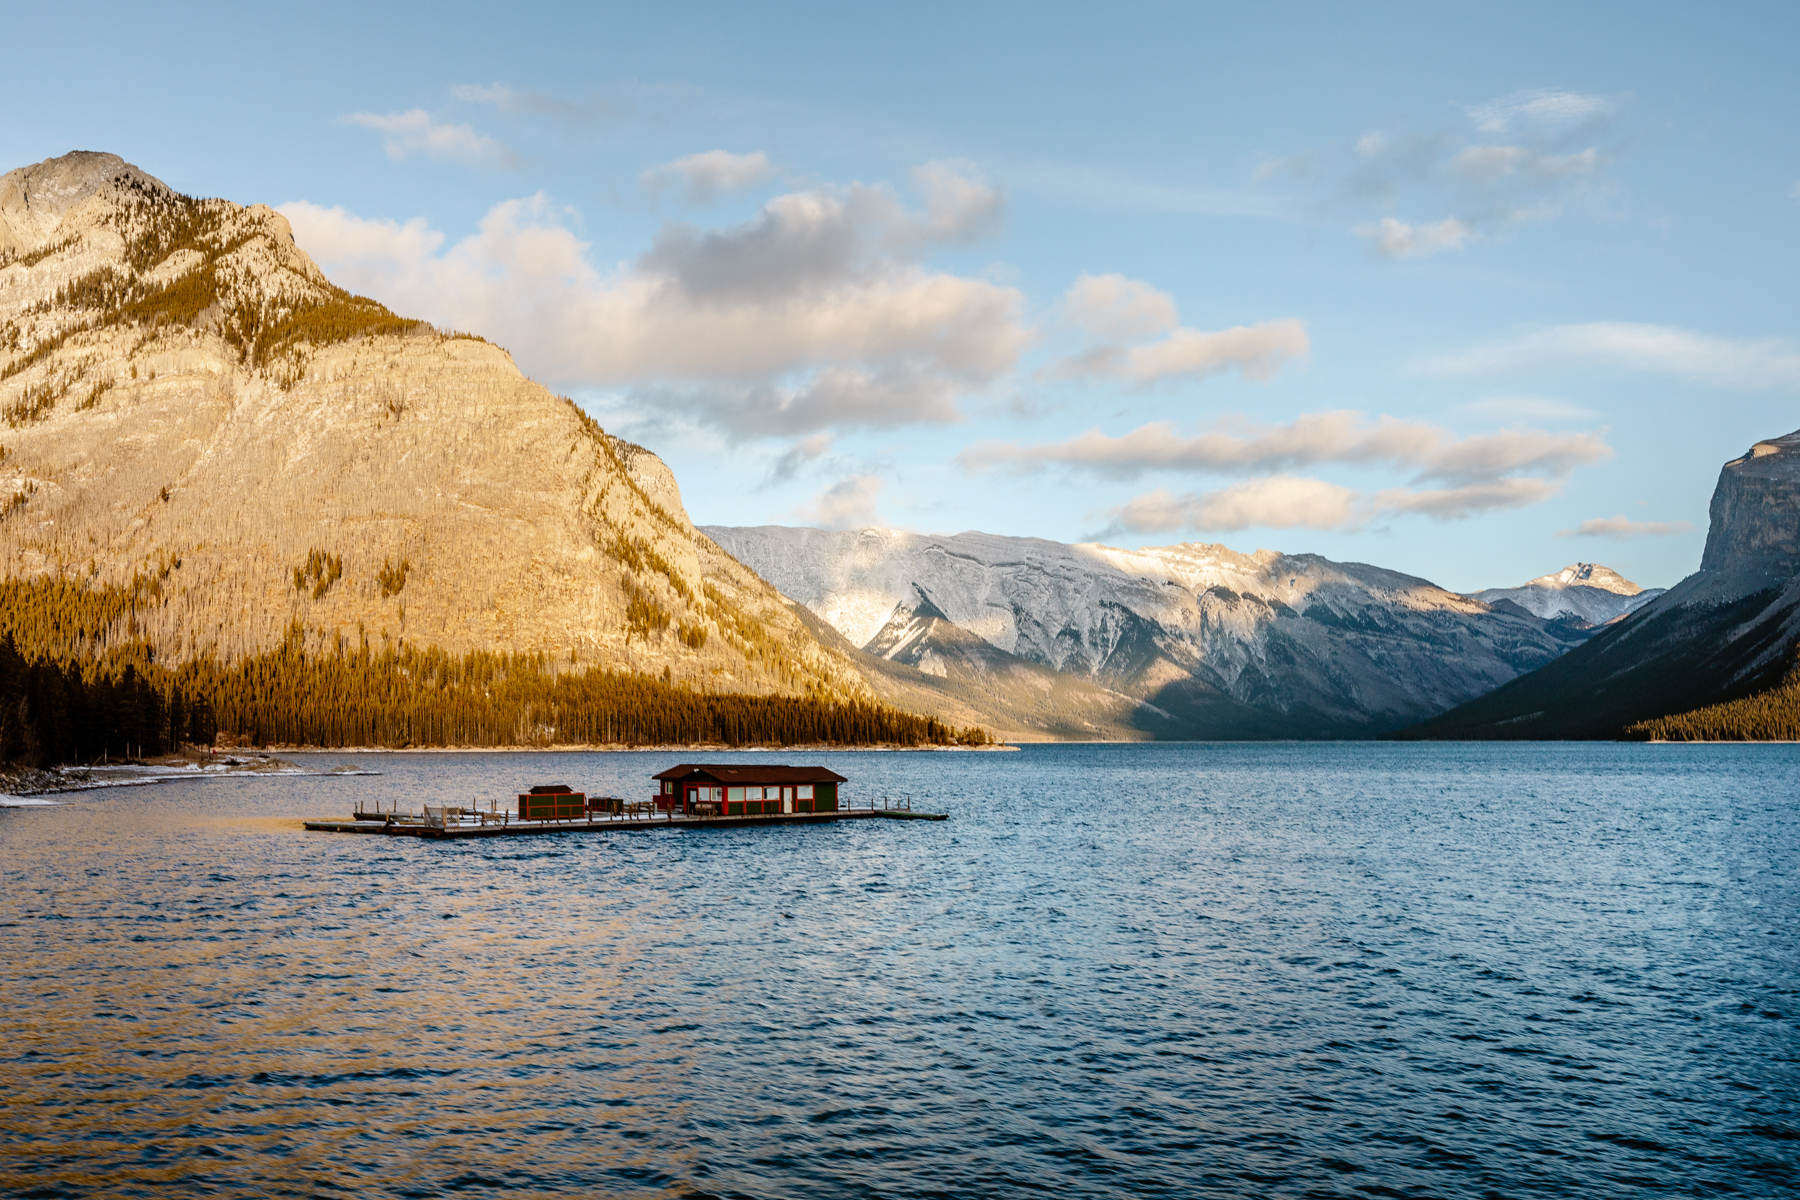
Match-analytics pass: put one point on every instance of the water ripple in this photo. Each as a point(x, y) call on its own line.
point(1117, 971)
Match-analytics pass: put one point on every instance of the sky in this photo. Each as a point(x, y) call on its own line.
point(1470, 292)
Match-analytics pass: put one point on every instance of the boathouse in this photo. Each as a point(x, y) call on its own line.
point(746, 789)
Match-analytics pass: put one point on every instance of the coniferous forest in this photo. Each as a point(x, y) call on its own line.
point(1768, 716)
point(70, 692)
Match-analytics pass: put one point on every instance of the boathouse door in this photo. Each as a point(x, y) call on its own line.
point(787, 799)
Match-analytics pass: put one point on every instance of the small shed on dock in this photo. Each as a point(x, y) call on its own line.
point(747, 789)
point(552, 802)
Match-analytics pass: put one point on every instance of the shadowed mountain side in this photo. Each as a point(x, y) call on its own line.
point(1214, 643)
point(981, 685)
point(1724, 633)
point(1647, 665)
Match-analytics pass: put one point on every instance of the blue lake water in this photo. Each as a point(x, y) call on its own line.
point(1176, 970)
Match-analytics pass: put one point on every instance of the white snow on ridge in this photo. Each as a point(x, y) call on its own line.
point(1067, 597)
point(1279, 634)
point(1586, 592)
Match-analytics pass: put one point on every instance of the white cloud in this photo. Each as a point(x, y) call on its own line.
point(1584, 162)
point(1752, 363)
point(960, 205)
point(1550, 108)
point(1528, 408)
point(1483, 458)
point(848, 504)
point(1256, 350)
point(1278, 501)
point(1525, 159)
point(530, 102)
point(807, 315)
point(839, 398)
point(415, 132)
point(1624, 527)
point(1489, 165)
point(1489, 162)
point(1427, 452)
point(496, 94)
point(1114, 309)
point(1393, 238)
point(1118, 309)
point(1292, 502)
point(1466, 500)
point(345, 236)
point(801, 454)
point(706, 177)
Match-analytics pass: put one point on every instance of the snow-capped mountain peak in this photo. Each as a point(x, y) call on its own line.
point(1270, 642)
point(1586, 593)
point(1587, 575)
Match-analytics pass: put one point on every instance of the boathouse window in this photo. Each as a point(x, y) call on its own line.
point(735, 795)
point(806, 791)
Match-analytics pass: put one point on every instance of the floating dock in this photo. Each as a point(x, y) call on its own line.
point(719, 796)
point(473, 826)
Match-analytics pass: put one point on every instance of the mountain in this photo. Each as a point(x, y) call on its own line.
point(1723, 634)
point(1209, 642)
point(1586, 593)
point(236, 456)
point(923, 662)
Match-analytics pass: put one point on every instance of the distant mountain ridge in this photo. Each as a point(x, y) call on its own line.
point(1208, 641)
point(1728, 631)
point(1587, 593)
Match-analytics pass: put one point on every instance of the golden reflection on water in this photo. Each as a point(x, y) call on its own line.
point(202, 999)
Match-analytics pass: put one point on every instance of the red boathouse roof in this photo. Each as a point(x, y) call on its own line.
point(750, 773)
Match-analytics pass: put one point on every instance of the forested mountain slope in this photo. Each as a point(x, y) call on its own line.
point(196, 420)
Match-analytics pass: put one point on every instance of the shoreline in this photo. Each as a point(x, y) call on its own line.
point(614, 748)
point(25, 786)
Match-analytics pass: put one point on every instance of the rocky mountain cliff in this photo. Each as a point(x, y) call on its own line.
point(1586, 593)
point(1207, 641)
point(195, 415)
point(1728, 631)
point(1753, 540)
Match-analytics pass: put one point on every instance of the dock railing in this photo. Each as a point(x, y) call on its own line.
point(491, 812)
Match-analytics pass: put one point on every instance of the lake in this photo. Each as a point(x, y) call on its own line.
point(1164, 970)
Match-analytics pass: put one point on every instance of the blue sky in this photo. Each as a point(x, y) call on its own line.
point(1468, 292)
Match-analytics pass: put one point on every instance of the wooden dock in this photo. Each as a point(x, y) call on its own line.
point(514, 827)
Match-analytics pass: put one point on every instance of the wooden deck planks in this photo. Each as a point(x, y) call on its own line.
point(617, 824)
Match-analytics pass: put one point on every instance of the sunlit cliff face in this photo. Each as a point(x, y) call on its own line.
point(188, 399)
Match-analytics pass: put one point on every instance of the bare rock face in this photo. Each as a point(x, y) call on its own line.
point(191, 411)
point(1755, 531)
point(34, 199)
point(1207, 641)
point(1729, 630)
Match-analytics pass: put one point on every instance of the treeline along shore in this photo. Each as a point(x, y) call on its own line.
point(74, 686)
